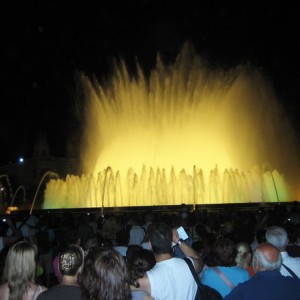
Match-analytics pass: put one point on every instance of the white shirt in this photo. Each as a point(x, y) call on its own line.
point(172, 279)
point(291, 262)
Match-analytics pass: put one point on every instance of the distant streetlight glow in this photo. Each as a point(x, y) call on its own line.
point(21, 160)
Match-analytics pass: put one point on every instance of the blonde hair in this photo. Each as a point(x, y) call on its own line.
point(19, 269)
point(243, 249)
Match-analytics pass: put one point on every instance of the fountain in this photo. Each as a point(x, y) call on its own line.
point(188, 133)
point(20, 188)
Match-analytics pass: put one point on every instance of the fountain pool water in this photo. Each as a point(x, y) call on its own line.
point(188, 133)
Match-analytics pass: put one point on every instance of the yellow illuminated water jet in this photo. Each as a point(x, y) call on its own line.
point(188, 134)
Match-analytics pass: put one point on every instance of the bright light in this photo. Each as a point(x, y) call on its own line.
point(187, 134)
point(21, 160)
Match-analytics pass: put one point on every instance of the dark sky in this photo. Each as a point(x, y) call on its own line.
point(44, 43)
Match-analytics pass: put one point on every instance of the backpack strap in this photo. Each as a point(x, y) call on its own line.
point(224, 278)
point(290, 271)
point(193, 271)
point(188, 261)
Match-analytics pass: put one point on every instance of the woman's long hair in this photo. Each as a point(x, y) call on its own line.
point(105, 276)
point(19, 269)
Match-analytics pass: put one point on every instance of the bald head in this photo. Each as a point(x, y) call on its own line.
point(266, 257)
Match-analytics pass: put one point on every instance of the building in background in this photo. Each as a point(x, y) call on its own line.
point(19, 182)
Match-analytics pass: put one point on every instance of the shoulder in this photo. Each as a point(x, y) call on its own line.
point(60, 291)
point(42, 288)
point(208, 273)
point(174, 265)
point(209, 270)
point(236, 272)
point(239, 270)
point(227, 271)
point(144, 284)
point(3, 286)
point(4, 291)
point(294, 259)
point(37, 290)
point(174, 261)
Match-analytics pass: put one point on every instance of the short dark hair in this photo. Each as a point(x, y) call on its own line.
point(141, 261)
point(160, 237)
point(131, 249)
point(224, 251)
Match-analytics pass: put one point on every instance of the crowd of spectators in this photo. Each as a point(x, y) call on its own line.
point(139, 255)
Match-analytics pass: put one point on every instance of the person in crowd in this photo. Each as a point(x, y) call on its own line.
point(9, 234)
point(29, 226)
point(171, 277)
point(90, 244)
point(6, 224)
point(85, 230)
point(277, 236)
point(293, 249)
point(122, 239)
point(138, 264)
point(19, 273)
point(110, 227)
point(70, 265)
point(267, 283)
point(137, 232)
point(44, 239)
point(68, 237)
point(224, 275)
point(131, 250)
point(244, 257)
point(259, 237)
point(188, 240)
point(145, 242)
point(149, 217)
point(105, 276)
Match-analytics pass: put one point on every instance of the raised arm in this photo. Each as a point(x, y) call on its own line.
point(188, 251)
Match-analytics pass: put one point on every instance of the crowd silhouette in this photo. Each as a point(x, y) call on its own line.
point(138, 255)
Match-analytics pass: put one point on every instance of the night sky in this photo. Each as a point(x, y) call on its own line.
point(45, 43)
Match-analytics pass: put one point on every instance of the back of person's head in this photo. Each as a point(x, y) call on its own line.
point(71, 260)
point(19, 269)
point(141, 262)
point(91, 243)
point(260, 235)
point(68, 237)
point(122, 237)
point(292, 233)
point(266, 257)
point(131, 250)
point(277, 236)
point(224, 252)
point(160, 237)
point(105, 276)
point(244, 252)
